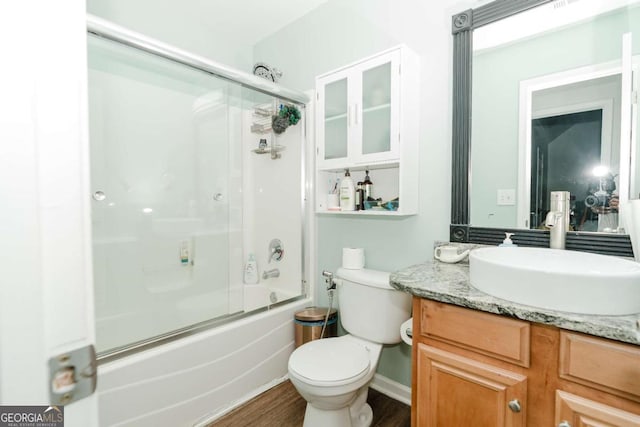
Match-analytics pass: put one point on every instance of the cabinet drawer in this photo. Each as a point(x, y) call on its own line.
point(496, 336)
point(602, 364)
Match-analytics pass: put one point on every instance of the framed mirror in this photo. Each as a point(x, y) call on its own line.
point(544, 99)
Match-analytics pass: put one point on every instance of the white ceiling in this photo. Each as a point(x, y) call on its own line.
point(248, 21)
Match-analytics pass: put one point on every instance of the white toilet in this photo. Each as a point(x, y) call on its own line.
point(333, 374)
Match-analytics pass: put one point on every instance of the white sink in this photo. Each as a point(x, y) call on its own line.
point(575, 282)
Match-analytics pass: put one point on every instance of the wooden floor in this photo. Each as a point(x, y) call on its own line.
point(282, 406)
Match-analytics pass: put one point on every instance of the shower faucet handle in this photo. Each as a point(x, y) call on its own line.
point(276, 250)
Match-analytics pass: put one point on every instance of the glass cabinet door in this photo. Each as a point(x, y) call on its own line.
point(358, 112)
point(377, 109)
point(335, 120)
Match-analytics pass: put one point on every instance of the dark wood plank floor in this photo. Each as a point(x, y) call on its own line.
point(282, 406)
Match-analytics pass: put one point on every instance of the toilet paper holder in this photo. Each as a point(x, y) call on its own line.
point(406, 332)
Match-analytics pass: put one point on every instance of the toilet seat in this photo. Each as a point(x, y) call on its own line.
point(329, 362)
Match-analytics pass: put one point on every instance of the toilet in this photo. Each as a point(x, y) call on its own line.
point(333, 374)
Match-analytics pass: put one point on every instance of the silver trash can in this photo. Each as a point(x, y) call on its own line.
point(309, 322)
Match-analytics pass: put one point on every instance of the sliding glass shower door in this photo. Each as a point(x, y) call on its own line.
point(163, 173)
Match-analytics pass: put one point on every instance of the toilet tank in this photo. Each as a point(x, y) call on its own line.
point(369, 307)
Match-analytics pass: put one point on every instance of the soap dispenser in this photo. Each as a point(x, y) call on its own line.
point(507, 242)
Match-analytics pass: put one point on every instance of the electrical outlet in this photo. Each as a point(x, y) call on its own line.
point(506, 197)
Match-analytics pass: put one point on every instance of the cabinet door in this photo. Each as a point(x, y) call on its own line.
point(455, 391)
point(376, 109)
point(333, 118)
point(576, 411)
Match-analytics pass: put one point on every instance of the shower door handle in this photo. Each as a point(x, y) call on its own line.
point(99, 196)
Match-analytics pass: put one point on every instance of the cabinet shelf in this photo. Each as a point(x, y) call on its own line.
point(376, 108)
point(335, 117)
point(366, 213)
point(361, 167)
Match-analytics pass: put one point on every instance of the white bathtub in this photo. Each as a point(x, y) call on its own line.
point(257, 296)
point(200, 376)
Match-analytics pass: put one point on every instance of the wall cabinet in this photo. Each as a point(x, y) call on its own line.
point(480, 369)
point(367, 116)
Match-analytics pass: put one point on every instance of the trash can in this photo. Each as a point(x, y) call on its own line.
point(309, 322)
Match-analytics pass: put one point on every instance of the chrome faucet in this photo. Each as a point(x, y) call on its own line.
point(328, 278)
point(267, 274)
point(558, 219)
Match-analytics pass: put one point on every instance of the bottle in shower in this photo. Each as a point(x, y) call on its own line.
point(251, 270)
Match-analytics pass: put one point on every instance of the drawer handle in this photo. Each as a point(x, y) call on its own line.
point(514, 405)
point(564, 424)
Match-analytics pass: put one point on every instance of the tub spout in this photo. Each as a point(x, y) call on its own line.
point(267, 274)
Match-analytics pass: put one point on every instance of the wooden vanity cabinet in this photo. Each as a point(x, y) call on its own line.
point(458, 391)
point(481, 369)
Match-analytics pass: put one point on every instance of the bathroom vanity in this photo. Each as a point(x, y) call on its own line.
point(483, 361)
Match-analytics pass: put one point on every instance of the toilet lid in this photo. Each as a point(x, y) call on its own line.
point(330, 360)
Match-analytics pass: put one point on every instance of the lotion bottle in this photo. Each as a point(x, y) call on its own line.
point(347, 193)
point(251, 270)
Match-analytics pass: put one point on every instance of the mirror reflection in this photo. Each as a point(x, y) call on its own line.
point(554, 109)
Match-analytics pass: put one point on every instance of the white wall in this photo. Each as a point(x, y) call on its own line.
point(272, 201)
point(342, 31)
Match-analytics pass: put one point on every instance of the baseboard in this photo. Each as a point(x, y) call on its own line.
point(391, 388)
point(209, 418)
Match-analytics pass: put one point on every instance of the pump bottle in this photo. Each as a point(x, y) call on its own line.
point(347, 193)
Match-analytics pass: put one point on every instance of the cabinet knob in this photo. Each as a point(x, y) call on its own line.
point(564, 424)
point(514, 405)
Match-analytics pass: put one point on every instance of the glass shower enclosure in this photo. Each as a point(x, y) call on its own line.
point(188, 181)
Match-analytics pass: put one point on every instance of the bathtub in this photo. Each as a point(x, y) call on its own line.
point(195, 379)
point(258, 296)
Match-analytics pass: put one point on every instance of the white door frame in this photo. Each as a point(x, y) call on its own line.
point(527, 88)
point(46, 293)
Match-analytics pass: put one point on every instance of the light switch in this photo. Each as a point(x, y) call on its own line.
point(507, 197)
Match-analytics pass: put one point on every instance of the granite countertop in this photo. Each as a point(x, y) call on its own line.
point(449, 283)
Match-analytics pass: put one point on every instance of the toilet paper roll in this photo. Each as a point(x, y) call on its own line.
point(353, 258)
point(406, 332)
point(632, 226)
